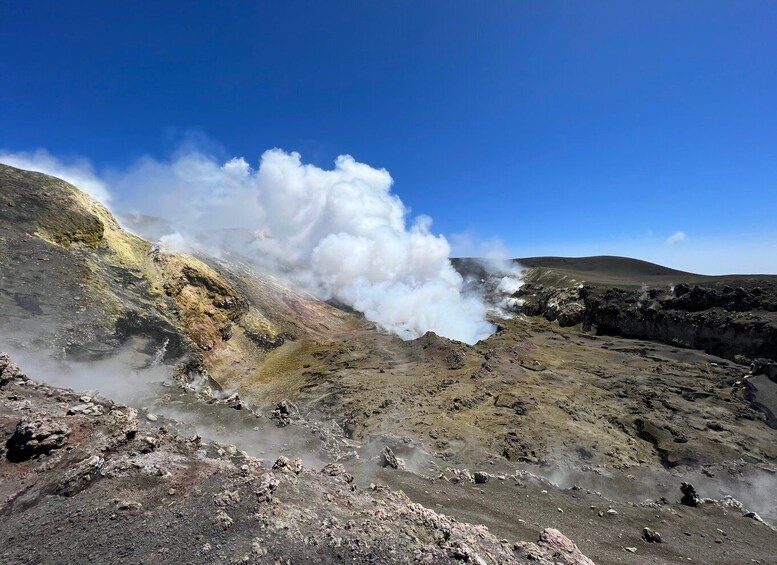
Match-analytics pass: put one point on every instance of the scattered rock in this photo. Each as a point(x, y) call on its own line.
point(149, 444)
point(480, 477)
point(127, 505)
point(285, 411)
point(257, 549)
point(267, 486)
point(223, 520)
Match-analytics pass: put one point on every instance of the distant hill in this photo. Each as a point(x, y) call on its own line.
point(604, 264)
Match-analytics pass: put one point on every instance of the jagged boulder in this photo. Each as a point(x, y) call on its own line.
point(35, 438)
point(690, 498)
point(388, 459)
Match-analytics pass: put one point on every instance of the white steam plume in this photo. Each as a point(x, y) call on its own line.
point(341, 233)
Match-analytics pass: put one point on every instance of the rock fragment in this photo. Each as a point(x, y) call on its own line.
point(285, 411)
point(753, 516)
point(388, 459)
point(9, 371)
point(86, 409)
point(651, 536)
point(233, 401)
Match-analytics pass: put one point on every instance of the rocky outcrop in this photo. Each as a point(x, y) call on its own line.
point(737, 323)
point(35, 438)
point(554, 547)
point(9, 371)
point(562, 304)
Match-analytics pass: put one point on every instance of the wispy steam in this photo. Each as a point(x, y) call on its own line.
point(340, 233)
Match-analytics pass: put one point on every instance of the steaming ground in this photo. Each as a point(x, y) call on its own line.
point(518, 499)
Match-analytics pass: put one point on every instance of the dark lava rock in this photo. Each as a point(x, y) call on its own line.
point(36, 437)
point(736, 323)
point(690, 498)
point(285, 411)
point(739, 323)
point(480, 477)
point(651, 536)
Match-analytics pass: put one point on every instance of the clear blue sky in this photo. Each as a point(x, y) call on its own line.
point(558, 127)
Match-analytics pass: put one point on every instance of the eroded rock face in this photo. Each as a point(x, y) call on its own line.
point(736, 323)
point(208, 304)
point(562, 304)
point(723, 321)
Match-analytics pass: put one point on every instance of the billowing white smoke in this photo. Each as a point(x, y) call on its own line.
point(341, 233)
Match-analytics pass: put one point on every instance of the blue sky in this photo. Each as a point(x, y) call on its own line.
point(538, 127)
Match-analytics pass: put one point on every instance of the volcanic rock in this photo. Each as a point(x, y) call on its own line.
point(388, 459)
point(563, 550)
point(690, 498)
point(651, 536)
point(34, 438)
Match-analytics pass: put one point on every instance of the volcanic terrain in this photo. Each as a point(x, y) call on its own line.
point(196, 409)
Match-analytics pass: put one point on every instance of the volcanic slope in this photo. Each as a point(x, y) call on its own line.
point(75, 283)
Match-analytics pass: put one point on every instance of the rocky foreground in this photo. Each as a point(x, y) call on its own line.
point(87, 480)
